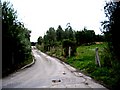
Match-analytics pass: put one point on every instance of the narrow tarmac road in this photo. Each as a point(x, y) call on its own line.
point(48, 72)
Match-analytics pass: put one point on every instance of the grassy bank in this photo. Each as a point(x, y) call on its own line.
point(85, 62)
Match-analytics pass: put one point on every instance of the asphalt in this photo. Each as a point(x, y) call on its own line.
point(48, 72)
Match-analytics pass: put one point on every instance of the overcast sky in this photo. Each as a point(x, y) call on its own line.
point(39, 15)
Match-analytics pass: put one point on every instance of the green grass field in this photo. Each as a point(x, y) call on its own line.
point(85, 62)
point(85, 56)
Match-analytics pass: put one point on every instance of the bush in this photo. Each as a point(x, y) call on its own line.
point(68, 43)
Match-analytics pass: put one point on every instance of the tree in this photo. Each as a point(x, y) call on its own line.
point(69, 33)
point(89, 36)
point(15, 39)
point(49, 39)
point(59, 33)
point(51, 36)
point(99, 38)
point(85, 36)
point(111, 27)
point(46, 43)
point(40, 40)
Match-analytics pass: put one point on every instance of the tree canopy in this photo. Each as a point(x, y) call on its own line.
point(111, 26)
point(15, 39)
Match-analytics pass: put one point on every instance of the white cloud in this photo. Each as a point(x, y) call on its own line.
point(39, 15)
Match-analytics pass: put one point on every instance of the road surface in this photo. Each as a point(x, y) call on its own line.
point(48, 72)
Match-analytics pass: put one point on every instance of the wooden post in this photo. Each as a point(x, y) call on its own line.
point(97, 59)
point(69, 51)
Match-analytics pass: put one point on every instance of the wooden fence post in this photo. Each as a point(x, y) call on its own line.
point(97, 59)
point(69, 51)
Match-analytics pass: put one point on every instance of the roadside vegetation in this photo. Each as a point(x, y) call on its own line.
point(84, 61)
point(16, 46)
point(82, 45)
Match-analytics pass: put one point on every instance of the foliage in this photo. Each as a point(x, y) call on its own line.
point(111, 27)
point(49, 39)
point(69, 33)
point(40, 40)
point(16, 40)
point(59, 33)
point(100, 38)
point(40, 47)
point(85, 36)
point(111, 30)
point(68, 43)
